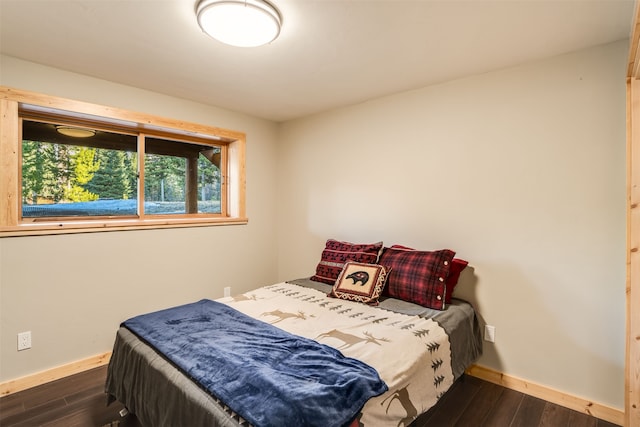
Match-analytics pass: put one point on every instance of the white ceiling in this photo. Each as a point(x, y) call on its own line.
point(330, 53)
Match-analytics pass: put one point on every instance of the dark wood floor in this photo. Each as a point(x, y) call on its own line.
point(79, 401)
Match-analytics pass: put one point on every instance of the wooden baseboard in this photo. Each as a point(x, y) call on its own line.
point(615, 416)
point(39, 378)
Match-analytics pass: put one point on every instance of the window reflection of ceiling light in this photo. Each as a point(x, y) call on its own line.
point(75, 132)
point(243, 23)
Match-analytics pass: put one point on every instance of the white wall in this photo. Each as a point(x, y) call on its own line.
point(72, 291)
point(521, 171)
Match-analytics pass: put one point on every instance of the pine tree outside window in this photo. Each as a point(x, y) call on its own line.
point(69, 176)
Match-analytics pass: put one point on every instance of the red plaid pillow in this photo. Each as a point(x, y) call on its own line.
point(418, 276)
point(457, 265)
point(336, 253)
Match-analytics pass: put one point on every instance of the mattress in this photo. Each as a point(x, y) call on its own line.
point(160, 394)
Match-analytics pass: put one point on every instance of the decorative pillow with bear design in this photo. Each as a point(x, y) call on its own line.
point(360, 282)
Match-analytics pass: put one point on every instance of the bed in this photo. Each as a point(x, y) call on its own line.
point(409, 354)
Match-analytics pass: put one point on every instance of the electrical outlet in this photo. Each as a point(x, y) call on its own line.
point(489, 333)
point(24, 340)
point(227, 291)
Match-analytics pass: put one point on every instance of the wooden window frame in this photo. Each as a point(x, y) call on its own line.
point(17, 104)
point(632, 354)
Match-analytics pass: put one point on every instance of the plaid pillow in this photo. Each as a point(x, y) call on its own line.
point(457, 265)
point(360, 282)
point(336, 253)
point(418, 276)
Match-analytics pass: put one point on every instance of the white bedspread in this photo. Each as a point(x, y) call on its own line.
point(411, 354)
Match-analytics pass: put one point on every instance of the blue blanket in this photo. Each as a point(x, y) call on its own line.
point(268, 376)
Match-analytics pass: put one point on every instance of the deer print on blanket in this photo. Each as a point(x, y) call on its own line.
point(244, 297)
point(402, 395)
point(410, 353)
point(350, 339)
point(282, 315)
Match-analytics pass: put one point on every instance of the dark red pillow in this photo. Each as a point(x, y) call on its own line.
point(457, 265)
point(417, 276)
point(336, 253)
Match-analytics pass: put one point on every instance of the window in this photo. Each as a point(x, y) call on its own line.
point(77, 172)
point(70, 170)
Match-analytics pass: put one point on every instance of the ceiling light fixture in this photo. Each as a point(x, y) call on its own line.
point(243, 23)
point(75, 132)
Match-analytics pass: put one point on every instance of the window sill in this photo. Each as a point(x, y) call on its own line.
point(94, 226)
